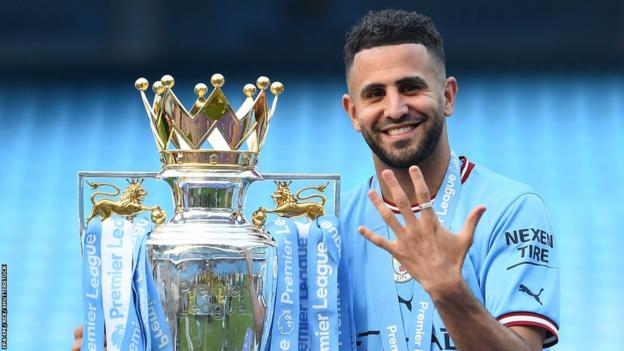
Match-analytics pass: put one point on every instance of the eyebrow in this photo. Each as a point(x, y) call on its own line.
point(416, 80)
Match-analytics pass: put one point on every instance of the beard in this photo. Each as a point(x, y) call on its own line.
point(405, 153)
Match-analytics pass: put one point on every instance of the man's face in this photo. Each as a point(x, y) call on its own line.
point(398, 99)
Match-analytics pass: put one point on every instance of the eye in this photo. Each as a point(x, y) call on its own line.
point(409, 88)
point(375, 94)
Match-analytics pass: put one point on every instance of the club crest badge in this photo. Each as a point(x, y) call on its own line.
point(400, 273)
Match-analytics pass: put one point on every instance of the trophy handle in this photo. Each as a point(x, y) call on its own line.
point(130, 203)
point(295, 205)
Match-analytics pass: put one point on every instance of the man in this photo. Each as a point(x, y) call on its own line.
point(427, 277)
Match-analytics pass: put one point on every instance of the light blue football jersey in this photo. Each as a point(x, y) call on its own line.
point(512, 267)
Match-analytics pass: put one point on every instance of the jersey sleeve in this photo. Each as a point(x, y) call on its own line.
point(520, 274)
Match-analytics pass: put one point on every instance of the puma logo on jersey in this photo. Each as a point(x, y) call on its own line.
point(407, 303)
point(526, 290)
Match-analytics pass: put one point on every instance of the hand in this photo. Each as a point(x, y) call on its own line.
point(78, 339)
point(431, 254)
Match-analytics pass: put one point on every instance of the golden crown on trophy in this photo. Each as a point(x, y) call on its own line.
point(211, 134)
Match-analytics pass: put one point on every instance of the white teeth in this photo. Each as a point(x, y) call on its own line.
point(400, 130)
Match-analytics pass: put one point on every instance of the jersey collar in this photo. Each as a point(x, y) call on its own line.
point(466, 168)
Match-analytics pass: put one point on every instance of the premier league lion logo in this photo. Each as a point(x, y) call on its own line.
point(291, 205)
point(130, 204)
point(118, 335)
point(285, 323)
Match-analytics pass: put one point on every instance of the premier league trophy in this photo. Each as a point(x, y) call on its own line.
point(214, 271)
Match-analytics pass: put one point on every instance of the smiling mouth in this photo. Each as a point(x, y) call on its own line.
point(398, 130)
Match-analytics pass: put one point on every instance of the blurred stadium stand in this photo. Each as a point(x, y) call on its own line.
point(302, 37)
point(541, 99)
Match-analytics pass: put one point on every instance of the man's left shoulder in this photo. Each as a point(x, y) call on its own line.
point(497, 192)
point(511, 205)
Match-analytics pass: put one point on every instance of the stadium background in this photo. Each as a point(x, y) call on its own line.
point(541, 99)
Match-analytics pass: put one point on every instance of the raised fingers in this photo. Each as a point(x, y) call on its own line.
point(378, 240)
point(77, 339)
point(467, 233)
point(386, 214)
point(399, 196)
point(78, 332)
point(422, 192)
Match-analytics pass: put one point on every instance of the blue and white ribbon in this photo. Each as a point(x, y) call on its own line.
point(117, 278)
point(139, 290)
point(117, 249)
point(93, 332)
point(345, 305)
point(304, 330)
point(286, 312)
point(160, 336)
point(323, 259)
point(312, 286)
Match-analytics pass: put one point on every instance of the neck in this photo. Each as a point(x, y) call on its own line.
point(433, 169)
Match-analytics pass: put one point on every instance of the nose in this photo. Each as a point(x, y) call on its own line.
point(396, 106)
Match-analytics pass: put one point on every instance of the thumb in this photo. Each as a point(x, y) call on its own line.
point(467, 233)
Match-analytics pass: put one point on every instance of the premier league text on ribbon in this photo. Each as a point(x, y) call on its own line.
point(449, 189)
point(118, 291)
point(286, 325)
point(323, 271)
point(156, 326)
point(116, 273)
point(93, 293)
point(286, 295)
point(423, 306)
point(323, 259)
point(94, 266)
point(302, 241)
point(93, 317)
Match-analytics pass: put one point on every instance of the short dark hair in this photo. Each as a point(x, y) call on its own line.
point(392, 27)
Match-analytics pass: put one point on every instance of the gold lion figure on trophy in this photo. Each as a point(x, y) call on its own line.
point(289, 205)
point(130, 204)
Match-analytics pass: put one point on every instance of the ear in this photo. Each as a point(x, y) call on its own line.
point(450, 92)
point(349, 107)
